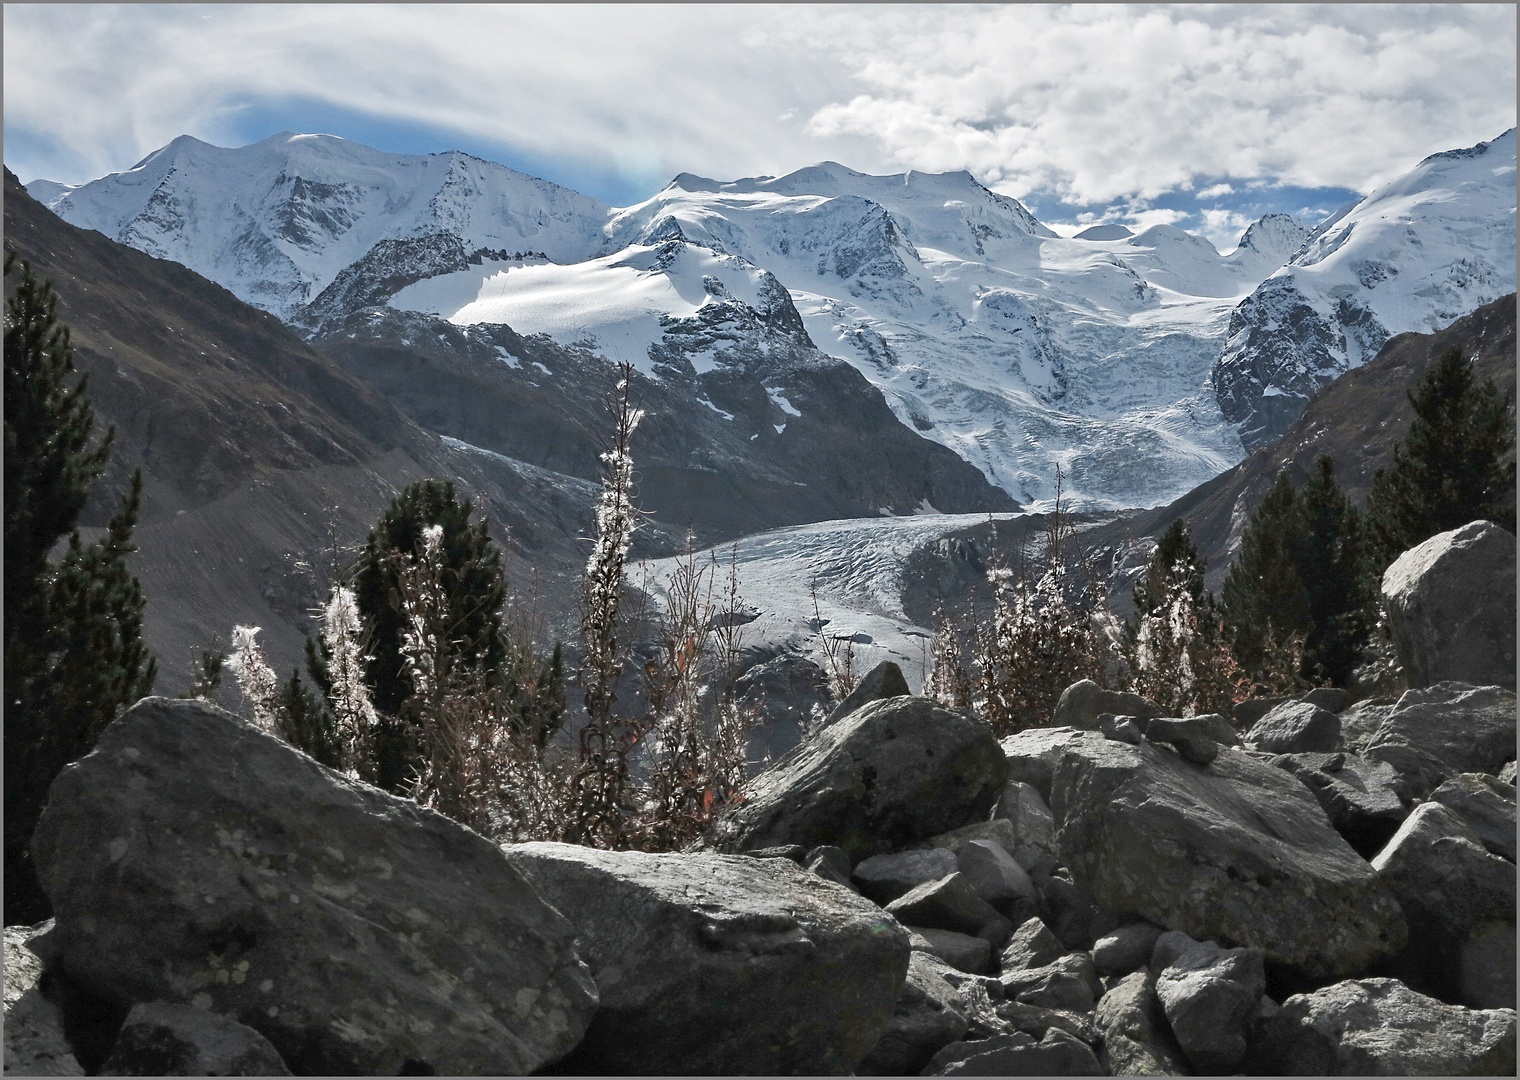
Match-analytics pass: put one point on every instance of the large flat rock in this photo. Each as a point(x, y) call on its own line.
point(889, 775)
point(721, 965)
point(192, 858)
point(1235, 851)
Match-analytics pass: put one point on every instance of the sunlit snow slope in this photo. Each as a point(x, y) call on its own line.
point(1416, 254)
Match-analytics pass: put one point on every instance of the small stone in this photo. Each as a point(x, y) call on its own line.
point(949, 904)
point(1032, 946)
point(164, 1039)
point(1126, 949)
point(963, 952)
point(1068, 982)
point(884, 878)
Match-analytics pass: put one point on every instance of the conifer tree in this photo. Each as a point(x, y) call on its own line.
point(74, 656)
point(1450, 468)
point(1175, 563)
point(1329, 553)
point(1264, 599)
point(475, 581)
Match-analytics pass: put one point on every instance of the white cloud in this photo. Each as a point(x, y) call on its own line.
point(1222, 228)
point(1215, 191)
point(1092, 104)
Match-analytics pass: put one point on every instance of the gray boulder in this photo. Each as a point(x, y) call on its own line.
point(1033, 754)
point(1071, 911)
point(789, 692)
point(1460, 903)
point(1136, 1038)
point(1031, 946)
point(1486, 805)
point(1441, 731)
point(1380, 1027)
point(1239, 852)
point(1034, 830)
point(883, 681)
point(35, 1044)
point(160, 1038)
point(1017, 1054)
point(928, 1015)
point(1126, 949)
point(1036, 1020)
point(1451, 607)
point(1124, 729)
point(831, 864)
point(998, 830)
point(717, 965)
point(1209, 996)
point(994, 874)
point(1330, 698)
point(1069, 983)
point(1296, 727)
point(951, 904)
point(192, 858)
point(964, 952)
point(886, 877)
point(1189, 735)
point(881, 779)
point(1247, 712)
point(1359, 795)
point(1082, 703)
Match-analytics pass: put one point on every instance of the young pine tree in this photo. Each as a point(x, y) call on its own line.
point(1330, 554)
point(74, 656)
point(475, 583)
point(1450, 467)
point(1264, 600)
point(1175, 564)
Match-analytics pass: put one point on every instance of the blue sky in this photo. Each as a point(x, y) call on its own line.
point(1204, 116)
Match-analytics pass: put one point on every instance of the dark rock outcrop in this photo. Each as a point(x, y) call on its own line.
point(719, 965)
point(1451, 607)
point(888, 775)
point(192, 858)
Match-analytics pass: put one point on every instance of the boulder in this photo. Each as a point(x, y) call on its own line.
point(1360, 722)
point(1036, 1020)
point(998, 830)
point(1460, 903)
point(1209, 996)
point(35, 1044)
point(1218, 728)
point(160, 1038)
point(886, 877)
point(1486, 805)
point(1135, 1036)
point(1247, 712)
point(1126, 949)
point(1433, 734)
point(794, 852)
point(1018, 1054)
point(1071, 911)
point(994, 874)
point(717, 965)
point(1380, 1027)
point(1507, 774)
point(1189, 735)
point(791, 693)
point(883, 681)
point(881, 779)
point(927, 1015)
point(1068, 983)
point(831, 864)
point(1296, 727)
point(1031, 946)
point(1360, 796)
point(1331, 698)
point(1034, 830)
point(192, 858)
point(973, 955)
point(1451, 607)
point(1082, 703)
point(1238, 851)
point(951, 904)
point(1032, 756)
point(1124, 729)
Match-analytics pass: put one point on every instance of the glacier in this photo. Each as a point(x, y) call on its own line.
point(1138, 365)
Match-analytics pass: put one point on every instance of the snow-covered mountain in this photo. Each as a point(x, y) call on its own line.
point(276, 221)
point(1414, 255)
point(1020, 350)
